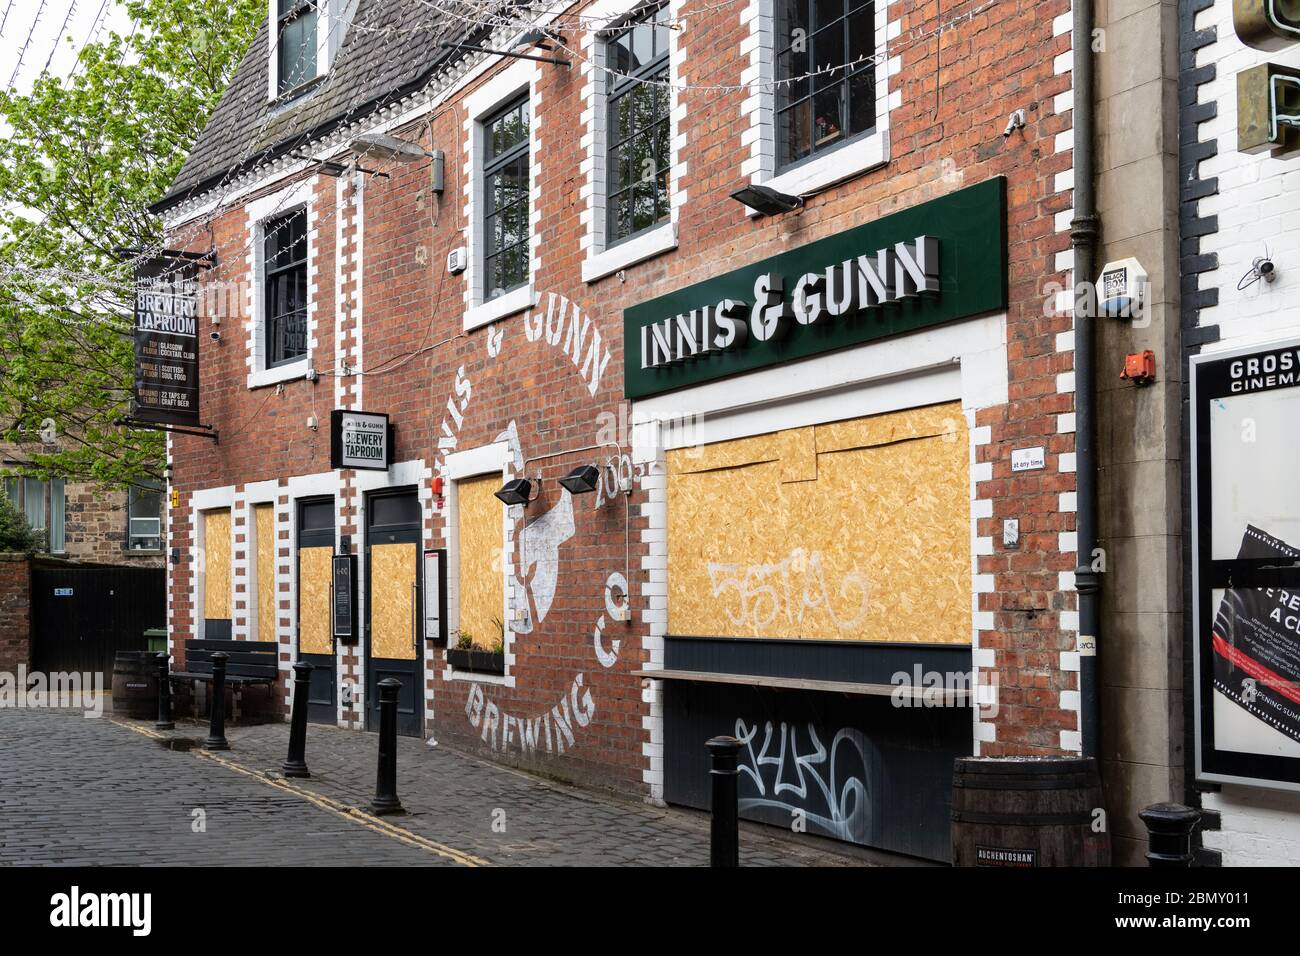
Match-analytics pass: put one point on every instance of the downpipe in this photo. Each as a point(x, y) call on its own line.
point(1084, 231)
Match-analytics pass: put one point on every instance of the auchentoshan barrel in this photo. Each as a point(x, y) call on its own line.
point(1028, 812)
point(135, 684)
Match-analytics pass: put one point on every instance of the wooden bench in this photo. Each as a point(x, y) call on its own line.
point(249, 663)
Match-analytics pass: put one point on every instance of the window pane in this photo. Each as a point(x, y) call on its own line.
point(828, 55)
point(862, 102)
point(838, 53)
point(286, 287)
point(638, 146)
point(297, 49)
point(34, 502)
point(57, 543)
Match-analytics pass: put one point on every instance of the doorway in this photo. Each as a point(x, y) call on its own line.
point(393, 593)
point(315, 628)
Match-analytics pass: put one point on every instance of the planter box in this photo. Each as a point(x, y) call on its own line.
point(483, 662)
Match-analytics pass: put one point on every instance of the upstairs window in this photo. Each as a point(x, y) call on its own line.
point(825, 73)
point(42, 502)
point(296, 24)
point(638, 160)
point(505, 194)
point(285, 251)
point(144, 517)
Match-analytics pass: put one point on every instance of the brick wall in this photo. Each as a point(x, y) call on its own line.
point(15, 612)
point(450, 390)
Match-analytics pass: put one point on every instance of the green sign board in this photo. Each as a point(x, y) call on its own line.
point(942, 260)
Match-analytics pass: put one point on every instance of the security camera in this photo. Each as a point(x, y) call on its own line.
point(1266, 269)
point(1014, 122)
point(216, 336)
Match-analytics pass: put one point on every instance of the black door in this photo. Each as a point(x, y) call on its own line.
point(393, 645)
point(315, 628)
point(81, 616)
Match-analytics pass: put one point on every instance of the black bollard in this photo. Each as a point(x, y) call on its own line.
point(724, 831)
point(1169, 833)
point(295, 765)
point(164, 721)
point(386, 801)
point(217, 724)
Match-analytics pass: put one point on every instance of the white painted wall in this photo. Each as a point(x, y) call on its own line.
point(1258, 207)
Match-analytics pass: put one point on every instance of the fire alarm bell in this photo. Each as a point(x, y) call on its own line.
point(1140, 368)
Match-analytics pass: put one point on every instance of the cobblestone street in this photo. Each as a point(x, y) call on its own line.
point(115, 792)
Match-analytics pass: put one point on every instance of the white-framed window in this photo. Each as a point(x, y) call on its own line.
point(305, 35)
point(819, 113)
point(144, 516)
point(477, 528)
point(631, 105)
point(43, 504)
point(501, 191)
point(282, 274)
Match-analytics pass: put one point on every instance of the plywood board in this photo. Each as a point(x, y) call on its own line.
point(264, 529)
point(873, 545)
point(315, 631)
point(216, 565)
point(480, 579)
point(392, 601)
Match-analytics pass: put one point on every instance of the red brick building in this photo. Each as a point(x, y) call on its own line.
point(807, 426)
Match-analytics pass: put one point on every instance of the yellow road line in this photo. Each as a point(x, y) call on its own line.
point(338, 808)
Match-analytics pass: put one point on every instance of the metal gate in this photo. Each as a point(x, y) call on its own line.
point(81, 615)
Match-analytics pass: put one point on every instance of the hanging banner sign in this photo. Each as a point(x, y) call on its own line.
point(1246, 582)
point(942, 260)
point(167, 342)
point(360, 440)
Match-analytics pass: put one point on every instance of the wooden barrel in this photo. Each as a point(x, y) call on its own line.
point(1027, 812)
point(135, 684)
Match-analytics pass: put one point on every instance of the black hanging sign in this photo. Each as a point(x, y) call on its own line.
point(362, 440)
point(167, 342)
point(345, 605)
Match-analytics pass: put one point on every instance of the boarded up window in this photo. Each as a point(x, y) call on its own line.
point(216, 565)
point(855, 530)
point(315, 634)
point(264, 528)
point(482, 593)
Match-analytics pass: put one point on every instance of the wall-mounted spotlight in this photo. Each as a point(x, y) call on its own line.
point(517, 491)
point(765, 200)
point(582, 479)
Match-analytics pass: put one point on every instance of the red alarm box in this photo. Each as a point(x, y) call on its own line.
point(1140, 368)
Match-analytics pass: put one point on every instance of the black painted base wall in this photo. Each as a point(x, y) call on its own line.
point(858, 768)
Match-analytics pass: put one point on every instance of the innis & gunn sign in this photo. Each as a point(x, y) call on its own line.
point(933, 263)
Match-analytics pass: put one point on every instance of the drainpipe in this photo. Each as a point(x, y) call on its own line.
point(1084, 229)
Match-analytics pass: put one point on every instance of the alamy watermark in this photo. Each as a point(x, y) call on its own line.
point(58, 690)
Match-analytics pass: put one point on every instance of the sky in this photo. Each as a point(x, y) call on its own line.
point(38, 32)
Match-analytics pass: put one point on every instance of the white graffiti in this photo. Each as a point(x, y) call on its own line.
point(618, 609)
point(539, 561)
point(787, 590)
point(553, 729)
point(563, 325)
point(827, 787)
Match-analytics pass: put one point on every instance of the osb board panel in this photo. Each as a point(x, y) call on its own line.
point(945, 419)
point(392, 596)
point(877, 547)
point(264, 528)
point(315, 630)
point(482, 594)
point(216, 565)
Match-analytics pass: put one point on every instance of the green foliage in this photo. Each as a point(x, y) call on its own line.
point(83, 160)
point(16, 535)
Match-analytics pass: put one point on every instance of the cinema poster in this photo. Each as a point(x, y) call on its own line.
point(167, 342)
point(1246, 580)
